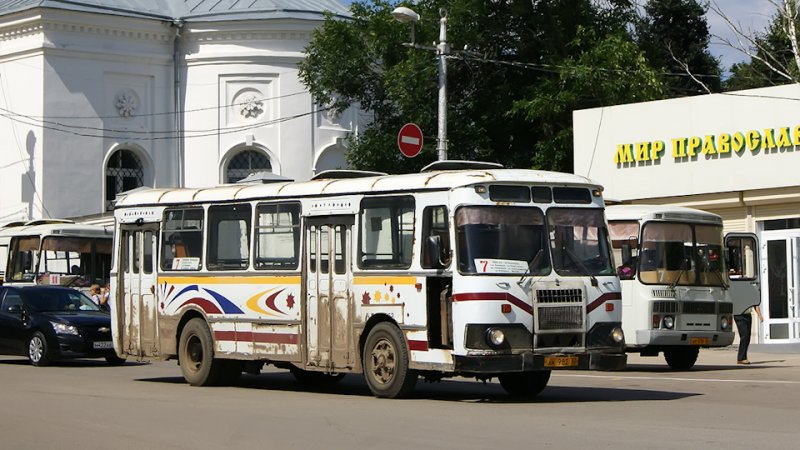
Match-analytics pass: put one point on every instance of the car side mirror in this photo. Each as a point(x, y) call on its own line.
point(15, 309)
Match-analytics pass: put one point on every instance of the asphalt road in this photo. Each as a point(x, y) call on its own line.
point(88, 405)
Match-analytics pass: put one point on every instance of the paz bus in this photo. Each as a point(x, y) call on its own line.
point(681, 281)
point(55, 251)
point(465, 269)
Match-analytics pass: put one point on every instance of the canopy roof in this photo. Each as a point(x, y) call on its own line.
point(190, 10)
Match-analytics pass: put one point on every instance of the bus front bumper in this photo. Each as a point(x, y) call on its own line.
point(526, 362)
point(683, 338)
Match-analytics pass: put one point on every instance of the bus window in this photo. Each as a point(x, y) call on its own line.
point(22, 258)
point(277, 236)
point(324, 249)
point(741, 258)
point(182, 239)
point(149, 240)
point(625, 246)
point(229, 237)
point(339, 263)
point(387, 232)
point(312, 249)
point(434, 225)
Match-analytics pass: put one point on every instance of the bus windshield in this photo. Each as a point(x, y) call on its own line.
point(682, 254)
point(579, 240)
point(501, 240)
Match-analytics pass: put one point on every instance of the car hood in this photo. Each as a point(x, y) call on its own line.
point(79, 318)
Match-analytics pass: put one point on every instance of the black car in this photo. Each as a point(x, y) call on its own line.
point(46, 323)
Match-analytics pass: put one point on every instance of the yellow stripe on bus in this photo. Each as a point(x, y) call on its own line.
point(385, 280)
point(229, 280)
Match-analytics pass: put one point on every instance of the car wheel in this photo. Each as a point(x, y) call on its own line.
point(385, 362)
point(525, 384)
point(39, 352)
point(196, 355)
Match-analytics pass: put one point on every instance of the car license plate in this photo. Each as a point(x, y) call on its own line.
point(560, 361)
point(103, 345)
point(700, 341)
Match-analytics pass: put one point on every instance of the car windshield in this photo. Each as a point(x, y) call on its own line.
point(579, 239)
point(501, 240)
point(57, 300)
point(682, 254)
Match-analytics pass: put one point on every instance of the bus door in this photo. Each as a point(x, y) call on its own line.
point(138, 312)
point(328, 310)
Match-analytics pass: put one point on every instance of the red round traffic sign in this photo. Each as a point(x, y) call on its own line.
point(409, 140)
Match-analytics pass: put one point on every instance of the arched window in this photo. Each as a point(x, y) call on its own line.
point(246, 162)
point(123, 173)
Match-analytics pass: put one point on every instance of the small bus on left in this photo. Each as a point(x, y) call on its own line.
point(55, 252)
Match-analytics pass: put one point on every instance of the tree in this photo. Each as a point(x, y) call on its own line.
point(527, 66)
point(674, 35)
point(773, 53)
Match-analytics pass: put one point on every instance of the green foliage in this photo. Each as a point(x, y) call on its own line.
point(673, 30)
point(773, 48)
point(569, 54)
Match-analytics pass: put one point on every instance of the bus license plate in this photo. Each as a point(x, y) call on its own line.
point(560, 361)
point(700, 341)
point(103, 345)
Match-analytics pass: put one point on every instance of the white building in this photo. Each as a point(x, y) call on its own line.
point(735, 154)
point(88, 90)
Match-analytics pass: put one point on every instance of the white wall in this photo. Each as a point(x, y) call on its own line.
point(707, 118)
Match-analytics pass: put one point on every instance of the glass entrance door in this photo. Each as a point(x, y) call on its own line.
point(780, 304)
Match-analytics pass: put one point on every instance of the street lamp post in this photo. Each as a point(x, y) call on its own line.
point(407, 15)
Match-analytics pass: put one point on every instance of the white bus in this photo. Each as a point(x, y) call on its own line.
point(483, 272)
point(677, 291)
point(55, 251)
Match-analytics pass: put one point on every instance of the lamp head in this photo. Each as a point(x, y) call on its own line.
point(405, 15)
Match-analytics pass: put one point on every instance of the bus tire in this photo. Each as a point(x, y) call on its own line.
point(385, 361)
point(115, 360)
point(196, 354)
point(524, 384)
point(682, 358)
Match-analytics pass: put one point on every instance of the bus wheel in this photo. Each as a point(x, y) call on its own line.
point(385, 362)
point(310, 378)
point(525, 384)
point(196, 354)
point(39, 352)
point(681, 358)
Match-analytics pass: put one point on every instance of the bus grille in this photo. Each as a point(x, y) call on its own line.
point(665, 307)
point(698, 307)
point(559, 296)
point(560, 317)
point(726, 308)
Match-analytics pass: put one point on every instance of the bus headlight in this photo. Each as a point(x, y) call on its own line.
point(495, 337)
point(617, 335)
point(724, 323)
point(669, 322)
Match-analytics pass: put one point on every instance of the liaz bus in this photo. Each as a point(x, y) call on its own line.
point(481, 272)
point(677, 291)
point(55, 251)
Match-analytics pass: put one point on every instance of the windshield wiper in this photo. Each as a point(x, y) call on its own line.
point(580, 264)
point(680, 273)
point(532, 263)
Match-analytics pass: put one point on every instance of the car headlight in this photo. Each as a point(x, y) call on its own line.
point(669, 322)
point(495, 337)
point(63, 328)
point(617, 335)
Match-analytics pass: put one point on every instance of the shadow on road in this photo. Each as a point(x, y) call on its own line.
point(448, 390)
point(70, 363)
point(661, 368)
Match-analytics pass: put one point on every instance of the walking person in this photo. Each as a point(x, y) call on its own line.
point(744, 323)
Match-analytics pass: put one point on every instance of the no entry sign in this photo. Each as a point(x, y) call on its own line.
point(409, 140)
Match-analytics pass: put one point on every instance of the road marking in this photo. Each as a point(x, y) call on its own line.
point(712, 380)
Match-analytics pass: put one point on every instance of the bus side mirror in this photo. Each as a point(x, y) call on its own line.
point(625, 271)
point(440, 257)
point(627, 254)
point(15, 309)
